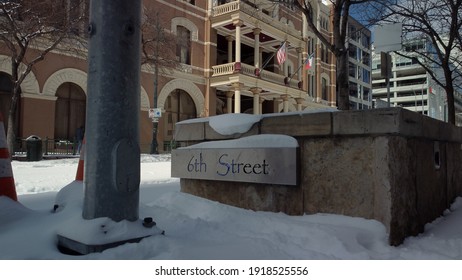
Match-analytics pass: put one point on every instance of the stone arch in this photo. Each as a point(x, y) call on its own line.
point(188, 87)
point(29, 85)
point(65, 75)
point(79, 78)
point(144, 100)
point(326, 76)
point(187, 24)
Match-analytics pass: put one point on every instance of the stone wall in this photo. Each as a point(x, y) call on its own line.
point(392, 165)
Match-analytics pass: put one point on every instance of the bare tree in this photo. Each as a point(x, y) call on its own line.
point(29, 30)
point(340, 15)
point(159, 51)
point(440, 22)
point(158, 44)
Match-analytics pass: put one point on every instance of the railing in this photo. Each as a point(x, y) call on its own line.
point(223, 69)
point(258, 14)
point(249, 70)
point(49, 147)
point(226, 8)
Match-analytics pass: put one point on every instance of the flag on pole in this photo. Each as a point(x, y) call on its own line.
point(309, 61)
point(282, 54)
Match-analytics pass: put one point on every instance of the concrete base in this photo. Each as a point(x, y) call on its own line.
point(97, 235)
point(73, 247)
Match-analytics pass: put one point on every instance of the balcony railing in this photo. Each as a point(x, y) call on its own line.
point(258, 14)
point(249, 70)
point(226, 8)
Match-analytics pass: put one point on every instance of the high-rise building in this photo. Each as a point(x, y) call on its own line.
point(359, 49)
point(411, 86)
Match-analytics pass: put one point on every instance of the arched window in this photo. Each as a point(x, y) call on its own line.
point(70, 111)
point(179, 106)
point(324, 89)
point(183, 47)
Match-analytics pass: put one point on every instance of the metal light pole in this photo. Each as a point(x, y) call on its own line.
point(112, 154)
point(155, 121)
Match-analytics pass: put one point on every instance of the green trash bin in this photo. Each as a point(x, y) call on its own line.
point(34, 148)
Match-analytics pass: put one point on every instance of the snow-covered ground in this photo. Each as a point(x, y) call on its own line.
point(199, 229)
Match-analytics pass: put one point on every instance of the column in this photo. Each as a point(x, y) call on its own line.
point(260, 56)
point(256, 100)
point(229, 102)
point(276, 104)
point(300, 64)
point(285, 99)
point(210, 7)
point(256, 53)
point(237, 98)
point(238, 24)
point(260, 106)
point(299, 103)
point(230, 48)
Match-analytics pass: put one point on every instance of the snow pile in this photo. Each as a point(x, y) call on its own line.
point(197, 228)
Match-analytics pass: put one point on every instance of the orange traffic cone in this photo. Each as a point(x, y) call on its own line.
point(7, 186)
point(79, 175)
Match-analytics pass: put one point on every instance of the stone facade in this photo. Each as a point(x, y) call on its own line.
point(392, 165)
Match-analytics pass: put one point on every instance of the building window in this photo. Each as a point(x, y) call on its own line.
point(324, 89)
point(324, 54)
point(366, 76)
point(353, 51)
point(366, 92)
point(366, 40)
point(183, 48)
point(366, 60)
point(353, 90)
point(353, 32)
point(352, 70)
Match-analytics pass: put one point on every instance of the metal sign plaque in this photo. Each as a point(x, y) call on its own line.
point(258, 165)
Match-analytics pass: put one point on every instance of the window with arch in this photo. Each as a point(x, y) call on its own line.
point(69, 111)
point(324, 88)
point(183, 47)
point(179, 106)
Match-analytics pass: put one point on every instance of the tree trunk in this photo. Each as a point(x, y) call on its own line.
point(343, 91)
point(16, 88)
point(451, 108)
point(11, 134)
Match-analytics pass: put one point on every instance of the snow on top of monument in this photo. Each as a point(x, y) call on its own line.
point(228, 124)
point(254, 141)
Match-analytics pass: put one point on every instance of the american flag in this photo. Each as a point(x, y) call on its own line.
point(282, 54)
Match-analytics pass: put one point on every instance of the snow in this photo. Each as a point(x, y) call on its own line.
point(228, 124)
point(254, 141)
point(199, 229)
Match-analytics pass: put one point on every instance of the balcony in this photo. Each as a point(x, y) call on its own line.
point(247, 21)
point(223, 13)
point(225, 77)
